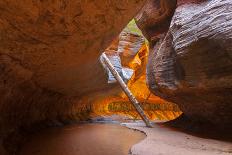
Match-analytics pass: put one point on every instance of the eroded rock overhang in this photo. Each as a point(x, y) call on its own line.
point(190, 56)
point(49, 54)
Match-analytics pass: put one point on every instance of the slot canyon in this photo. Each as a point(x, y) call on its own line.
point(58, 97)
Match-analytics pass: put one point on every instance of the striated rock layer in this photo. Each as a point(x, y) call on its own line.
point(191, 63)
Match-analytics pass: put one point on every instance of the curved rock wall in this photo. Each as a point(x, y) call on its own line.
point(49, 55)
point(191, 63)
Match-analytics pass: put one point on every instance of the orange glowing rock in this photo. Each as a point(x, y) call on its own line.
point(115, 101)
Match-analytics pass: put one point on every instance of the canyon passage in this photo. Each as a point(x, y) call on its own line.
point(174, 56)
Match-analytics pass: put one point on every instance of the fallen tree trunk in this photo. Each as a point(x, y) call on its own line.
point(126, 90)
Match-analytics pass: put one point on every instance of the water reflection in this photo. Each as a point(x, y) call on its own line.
point(85, 139)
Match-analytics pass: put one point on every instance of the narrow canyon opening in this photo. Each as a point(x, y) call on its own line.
point(59, 98)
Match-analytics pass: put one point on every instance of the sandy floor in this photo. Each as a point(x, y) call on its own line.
point(166, 141)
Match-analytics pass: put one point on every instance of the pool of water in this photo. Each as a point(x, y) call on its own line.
point(83, 139)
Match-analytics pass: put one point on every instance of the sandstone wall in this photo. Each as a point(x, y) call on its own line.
point(190, 62)
point(49, 55)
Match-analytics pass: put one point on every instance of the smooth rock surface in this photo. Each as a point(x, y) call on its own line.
point(49, 53)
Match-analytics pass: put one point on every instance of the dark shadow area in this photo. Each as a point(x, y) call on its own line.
point(200, 129)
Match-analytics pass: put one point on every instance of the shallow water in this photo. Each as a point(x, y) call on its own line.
point(84, 139)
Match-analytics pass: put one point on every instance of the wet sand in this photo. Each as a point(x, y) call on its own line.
point(162, 140)
point(84, 139)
